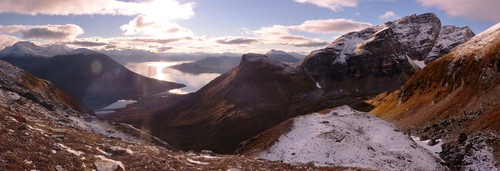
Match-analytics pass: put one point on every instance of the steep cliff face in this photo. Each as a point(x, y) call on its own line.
point(380, 58)
point(455, 97)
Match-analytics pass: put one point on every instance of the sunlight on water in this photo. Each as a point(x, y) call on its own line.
point(160, 71)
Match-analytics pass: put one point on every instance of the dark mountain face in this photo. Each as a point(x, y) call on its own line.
point(256, 95)
point(92, 77)
point(379, 58)
point(21, 84)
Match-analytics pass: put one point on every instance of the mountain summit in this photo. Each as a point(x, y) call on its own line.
point(29, 49)
point(382, 57)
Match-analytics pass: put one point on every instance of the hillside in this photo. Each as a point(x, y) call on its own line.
point(256, 95)
point(341, 137)
point(92, 77)
point(39, 130)
point(455, 97)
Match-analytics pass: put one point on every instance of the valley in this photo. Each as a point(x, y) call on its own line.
point(415, 90)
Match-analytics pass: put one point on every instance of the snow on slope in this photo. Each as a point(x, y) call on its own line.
point(29, 49)
point(345, 137)
point(479, 43)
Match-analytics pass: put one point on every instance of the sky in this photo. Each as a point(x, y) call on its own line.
point(216, 26)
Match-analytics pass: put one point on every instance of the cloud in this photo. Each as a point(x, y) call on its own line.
point(300, 41)
point(158, 41)
point(170, 9)
point(236, 40)
point(334, 5)
point(6, 40)
point(486, 10)
point(145, 26)
point(154, 17)
point(47, 32)
point(388, 15)
point(87, 43)
point(331, 26)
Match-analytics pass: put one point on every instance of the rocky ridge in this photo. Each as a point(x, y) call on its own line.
point(380, 58)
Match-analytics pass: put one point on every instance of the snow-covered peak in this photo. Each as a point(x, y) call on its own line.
point(478, 45)
point(29, 49)
point(449, 38)
point(21, 49)
point(416, 34)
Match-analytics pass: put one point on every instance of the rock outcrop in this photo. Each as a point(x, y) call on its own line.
point(383, 57)
point(457, 94)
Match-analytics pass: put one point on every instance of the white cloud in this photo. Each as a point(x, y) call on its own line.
point(145, 26)
point(388, 15)
point(334, 5)
point(487, 10)
point(170, 9)
point(154, 17)
point(47, 32)
point(331, 26)
point(6, 40)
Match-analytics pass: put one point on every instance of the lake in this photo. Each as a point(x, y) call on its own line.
point(160, 71)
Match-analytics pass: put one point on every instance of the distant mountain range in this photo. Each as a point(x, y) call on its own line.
point(225, 63)
point(88, 75)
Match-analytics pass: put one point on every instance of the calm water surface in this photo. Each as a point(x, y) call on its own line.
point(160, 71)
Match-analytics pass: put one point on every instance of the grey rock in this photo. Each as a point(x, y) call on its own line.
point(107, 166)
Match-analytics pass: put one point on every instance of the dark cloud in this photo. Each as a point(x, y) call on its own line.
point(49, 32)
point(237, 41)
point(88, 43)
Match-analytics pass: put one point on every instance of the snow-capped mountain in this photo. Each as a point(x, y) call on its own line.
point(449, 37)
point(341, 137)
point(29, 49)
point(455, 98)
point(382, 57)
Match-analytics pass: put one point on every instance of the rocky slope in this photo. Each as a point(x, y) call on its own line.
point(456, 97)
point(256, 95)
point(40, 130)
point(383, 57)
point(92, 77)
point(341, 137)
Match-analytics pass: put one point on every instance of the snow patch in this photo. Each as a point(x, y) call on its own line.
point(70, 150)
point(345, 137)
point(197, 162)
point(435, 149)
